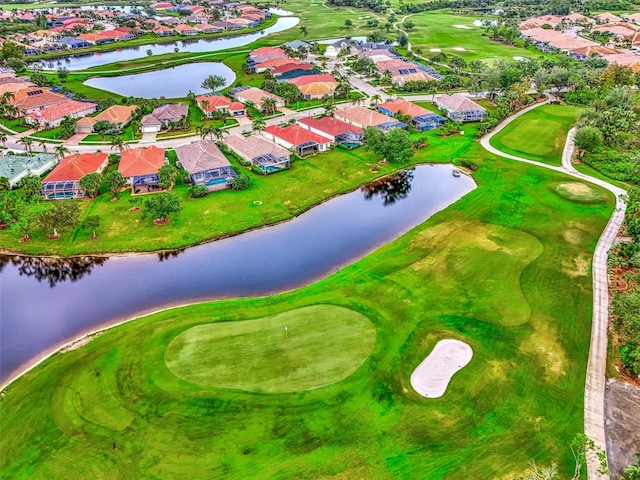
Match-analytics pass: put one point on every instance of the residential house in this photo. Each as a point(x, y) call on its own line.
point(460, 108)
point(186, 30)
point(335, 130)
point(117, 116)
point(139, 166)
point(206, 165)
point(295, 73)
point(336, 47)
point(293, 137)
point(85, 125)
point(64, 180)
point(265, 155)
point(95, 38)
point(363, 118)
point(14, 166)
point(607, 18)
point(553, 40)
point(163, 31)
point(32, 99)
point(315, 86)
point(421, 118)
point(73, 43)
point(584, 53)
point(403, 71)
point(52, 115)
point(270, 63)
point(207, 28)
point(625, 59)
point(162, 116)
point(219, 103)
point(292, 65)
point(257, 95)
point(632, 18)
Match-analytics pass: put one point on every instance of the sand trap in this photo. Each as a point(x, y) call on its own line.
point(459, 49)
point(435, 50)
point(465, 27)
point(519, 59)
point(431, 377)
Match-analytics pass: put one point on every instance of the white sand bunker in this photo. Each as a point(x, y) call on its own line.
point(431, 377)
point(519, 59)
point(459, 49)
point(465, 27)
point(435, 50)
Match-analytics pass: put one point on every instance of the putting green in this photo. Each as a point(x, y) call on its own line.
point(296, 350)
point(580, 192)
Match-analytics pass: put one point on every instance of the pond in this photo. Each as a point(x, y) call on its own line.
point(45, 302)
point(81, 61)
point(174, 82)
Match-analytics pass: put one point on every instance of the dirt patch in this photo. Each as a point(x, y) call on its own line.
point(161, 221)
point(543, 343)
point(622, 425)
point(78, 343)
point(619, 283)
point(134, 209)
point(575, 236)
point(577, 191)
point(578, 267)
point(464, 27)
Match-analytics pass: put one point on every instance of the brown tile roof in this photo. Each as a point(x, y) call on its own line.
point(87, 121)
point(75, 167)
point(361, 116)
point(255, 145)
point(256, 95)
point(318, 88)
point(456, 103)
point(201, 156)
point(36, 100)
point(141, 161)
point(116, 114)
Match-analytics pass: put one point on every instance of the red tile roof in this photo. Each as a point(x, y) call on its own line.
point(61, 110)
point(75, 167)
point(407, 108)
point(263, 50)
point(214, 102)
point(295, 135)
point(329, 125)
point(141, 161)
point(287, 67)
point(116, 114)
point(307, 79)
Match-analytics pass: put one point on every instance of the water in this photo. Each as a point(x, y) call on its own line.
point(44, 302)
point(155, 84)
point(81, 61)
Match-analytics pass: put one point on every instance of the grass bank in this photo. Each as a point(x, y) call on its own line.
point(520, 398)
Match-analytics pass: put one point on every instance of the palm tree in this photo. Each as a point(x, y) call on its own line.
point(329, 107)
point(191, 97)
point(60, 151)
point(118, 143)
point(303, 31)
point(206, 130)
point(258, 125)
point(28, 143)
point(3, 138)
point(43, 143)
point(376, 99)
point(268, 106)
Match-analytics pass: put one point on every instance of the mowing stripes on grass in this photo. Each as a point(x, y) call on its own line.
point(296, 350)
point(539, 134)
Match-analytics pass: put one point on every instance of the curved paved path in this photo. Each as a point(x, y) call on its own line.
point(596, 367)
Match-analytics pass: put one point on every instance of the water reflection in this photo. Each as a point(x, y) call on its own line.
point(53, 270)
point(167, 254)
point(391, 189)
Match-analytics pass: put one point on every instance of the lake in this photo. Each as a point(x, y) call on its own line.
point(156, 84)
point(46, 302)
point(81, 61)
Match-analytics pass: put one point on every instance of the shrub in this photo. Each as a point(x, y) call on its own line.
point(469, 165)
point(197, 191)
point(241, 182)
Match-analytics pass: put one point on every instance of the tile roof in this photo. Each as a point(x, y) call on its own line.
point(295, 135)
point(37, 100)
point(263, 50)
point(329, 125)
point(201, 156)
point(626, 59)
point(116, 114)
point(171, 112)
point(264, 62)
point(256, 95)
point(61, 110)
point(86, 121)
point(456, 103)
point(407, 108)
point(318, 78)
point(141, 161)
point(361, 116)
point(214, 102)
point(318, 88)
point(255, 145)
point(74, 167)
point(287, 67)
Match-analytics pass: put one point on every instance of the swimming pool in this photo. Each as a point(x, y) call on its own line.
point(60, 196)
point(216, 181)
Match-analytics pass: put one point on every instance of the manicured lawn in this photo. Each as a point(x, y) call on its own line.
point(497, 270)
point(283, 195)
point(539, 134)
point(17, 125)
point(282, 353)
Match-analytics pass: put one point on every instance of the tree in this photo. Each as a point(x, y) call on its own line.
point(213, 82)
point(197, 191)
point(268, 106)
point(160, 207)
point(581, 447)
point(303, 31)
point(116, 182)
point(90, 184)
point(376, 99)
point(28, 217)
point(329, 107)
point(31, 186)
point(60, 151)
point(63, 73)
point(4, 184)
point(64, 215)
point(241, 182)
point(67, 127)
point(9, 202)
point(348, 23)
point(118, 143)
point(258, 125)
point(3, 138)
point(92, 223)
point(402, 39)
point(28, 144)
point(408, 24)
point(395, 146)
point(167, 175)
point(588, 138)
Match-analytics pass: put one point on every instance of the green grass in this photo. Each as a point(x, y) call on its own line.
point(113, 409)
point(539, 134)
point(283, 196)
point(282, 353)
point(16, 124)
